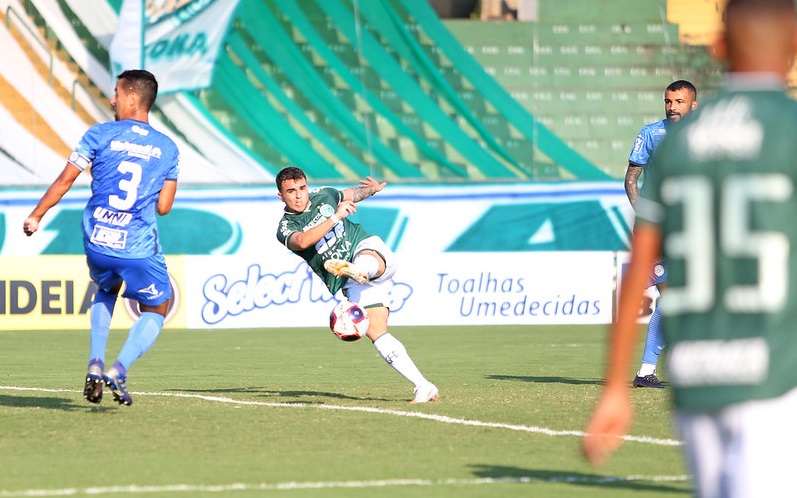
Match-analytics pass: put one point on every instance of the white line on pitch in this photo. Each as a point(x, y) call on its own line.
point(285, 486)
point(437, 418)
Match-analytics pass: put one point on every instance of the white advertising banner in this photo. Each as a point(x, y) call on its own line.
point(468, 254)
point(181, 40)
point(650, 298)
point(440, 289)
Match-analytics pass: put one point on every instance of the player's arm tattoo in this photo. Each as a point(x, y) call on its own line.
point(632, 175)
point(360, 193)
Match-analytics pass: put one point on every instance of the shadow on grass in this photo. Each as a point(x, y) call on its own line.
point(309, 396)
point(48, 403)
point(521, 476)
point(547, 380)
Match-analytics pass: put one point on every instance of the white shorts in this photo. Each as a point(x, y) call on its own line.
point(742, 451)
point(374, 292)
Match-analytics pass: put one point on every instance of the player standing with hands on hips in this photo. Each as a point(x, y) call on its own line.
point(680, 98)
point(721, 208)
point(316, 227)
point(134, 172)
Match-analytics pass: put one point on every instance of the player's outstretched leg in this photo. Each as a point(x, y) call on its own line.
point(425, 393)
point(92, 391)
point(141, 337)
point(346, 269)
point(395, 354)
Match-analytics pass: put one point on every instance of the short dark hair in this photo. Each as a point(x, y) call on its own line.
point(682, 85)
point(289, 173)
point(757, 6)
point(143, 83)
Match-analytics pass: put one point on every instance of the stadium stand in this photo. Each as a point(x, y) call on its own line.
point(385, 88)
point(593, 80)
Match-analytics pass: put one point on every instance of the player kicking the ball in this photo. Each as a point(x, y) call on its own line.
point(316, 227)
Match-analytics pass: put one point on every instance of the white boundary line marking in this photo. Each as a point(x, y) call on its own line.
point(436, 418)
point(292, 485)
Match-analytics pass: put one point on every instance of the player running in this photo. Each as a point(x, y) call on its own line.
point(134, 176)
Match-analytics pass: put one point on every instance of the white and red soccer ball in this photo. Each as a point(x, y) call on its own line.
point(348, 321)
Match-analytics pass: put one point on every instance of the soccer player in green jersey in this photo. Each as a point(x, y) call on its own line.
point(721, 208)
point(316, 227)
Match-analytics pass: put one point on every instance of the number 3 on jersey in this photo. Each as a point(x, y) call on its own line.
point(128, 186)
point(697, 247)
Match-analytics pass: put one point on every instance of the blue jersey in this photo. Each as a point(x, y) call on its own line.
point(130, 161)
point(650, 136)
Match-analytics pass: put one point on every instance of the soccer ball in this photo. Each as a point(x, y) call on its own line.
point(348, 321)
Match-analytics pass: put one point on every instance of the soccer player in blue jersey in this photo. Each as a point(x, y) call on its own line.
point(680, 98)
point(720, 208)
point(134, 172)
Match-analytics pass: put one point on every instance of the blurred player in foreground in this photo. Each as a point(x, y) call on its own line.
point(680, 98)
point(721, 207)
point(134, 175)
point(316, 227)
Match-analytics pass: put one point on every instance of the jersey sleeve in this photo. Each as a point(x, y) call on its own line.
point(174, 172)
point(330, 195)
point(643, 146)
point(83, 155)
point(649, 207)
point(286, 228)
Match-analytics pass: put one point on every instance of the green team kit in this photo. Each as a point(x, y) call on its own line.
point(722, 192)
point(338, 243)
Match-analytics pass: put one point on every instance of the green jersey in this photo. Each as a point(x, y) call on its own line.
point(724, 198)
point(338, 243)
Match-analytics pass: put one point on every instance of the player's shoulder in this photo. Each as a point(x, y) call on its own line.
point(323, 188)
point(107, 128)
point(324, 191)
point(655, 128)
point(155, 135)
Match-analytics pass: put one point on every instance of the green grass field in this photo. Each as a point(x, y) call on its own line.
point(297, 413)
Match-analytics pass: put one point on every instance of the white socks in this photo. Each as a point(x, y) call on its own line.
point(396, 356)
point(646, 369)
point(367, 264)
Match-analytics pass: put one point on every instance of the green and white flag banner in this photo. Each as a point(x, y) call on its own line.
point(180, 43)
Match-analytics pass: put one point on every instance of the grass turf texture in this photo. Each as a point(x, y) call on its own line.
point(165, 445)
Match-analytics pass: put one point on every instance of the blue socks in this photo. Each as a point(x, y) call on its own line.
point(141, 337)
point(101, 313)
point(654, 343)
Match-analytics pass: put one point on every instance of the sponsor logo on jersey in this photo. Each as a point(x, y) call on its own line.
point(638, 143)
point(109, 237)
point(719, 362)
point(726, 129)
point(139, 130)
point(110, 217)
point(136, 150)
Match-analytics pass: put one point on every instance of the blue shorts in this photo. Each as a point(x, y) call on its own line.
point(659, 273)
point(146, 280)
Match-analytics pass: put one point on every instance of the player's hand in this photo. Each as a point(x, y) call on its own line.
point(30, 226)
point(345, 208)
point(609, 423)
point(372, 184)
